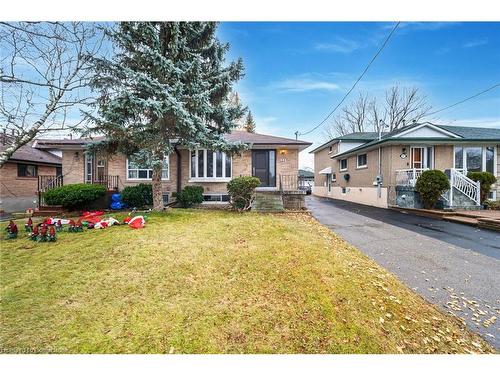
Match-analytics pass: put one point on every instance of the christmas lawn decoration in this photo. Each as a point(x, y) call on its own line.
point(169, 81)
point(106, 223)
point(34, 235)
point(52, 234)
point(78, 226)
point(43, 235)
point(75, 227)
point(58, 225)
point(137, 222)
point(11, 230)
point(28, 227)
point(101, 225)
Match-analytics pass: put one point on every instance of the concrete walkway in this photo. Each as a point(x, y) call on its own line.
point(454, 266)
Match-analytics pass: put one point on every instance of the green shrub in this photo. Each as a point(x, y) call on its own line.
point(74, 196)
point(189, 196)
point(492, 205)
point(138, 196)
point(242, 191)
point(486, 179)
point(431, 184)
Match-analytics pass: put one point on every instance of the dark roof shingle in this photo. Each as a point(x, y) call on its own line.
point(30, 154)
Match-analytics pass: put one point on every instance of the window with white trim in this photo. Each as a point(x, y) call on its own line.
point(361, 160)
point(209, 165)
point(138, 169)
point(343, 164)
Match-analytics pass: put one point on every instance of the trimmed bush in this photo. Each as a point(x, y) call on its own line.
point(138, 196)
point(189, 196)
point(242, 192)
point(74, 196)
point(492, 205)
point(486, 179)
point(431, 184)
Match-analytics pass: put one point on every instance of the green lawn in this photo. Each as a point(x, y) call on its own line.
point(200, 281)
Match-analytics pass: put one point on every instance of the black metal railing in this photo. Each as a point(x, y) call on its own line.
point(108, 181)
point(46, 183)
point(49, 182)
point(288, 182)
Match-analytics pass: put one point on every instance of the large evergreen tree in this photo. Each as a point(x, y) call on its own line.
point(167, 84)
point(250, 123)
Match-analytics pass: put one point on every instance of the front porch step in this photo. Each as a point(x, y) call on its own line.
point(487, 223)
point(268, 202)
point(461, 219)
point(48, 211)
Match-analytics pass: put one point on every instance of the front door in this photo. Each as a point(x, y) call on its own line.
point(422, 157)
point(263, 167)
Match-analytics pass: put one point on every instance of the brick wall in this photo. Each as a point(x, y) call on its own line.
point(18, 193)
point(321, 161)
point(73, 169)
point(287, 162)
point(12, 186)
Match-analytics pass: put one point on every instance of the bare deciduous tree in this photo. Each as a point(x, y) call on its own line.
point(352, 118)
point(44, 75)
point(404, 106)
point(400, 106)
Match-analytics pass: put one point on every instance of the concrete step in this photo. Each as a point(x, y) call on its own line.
point(268, 202)
point(486, 223)
point(461, 219)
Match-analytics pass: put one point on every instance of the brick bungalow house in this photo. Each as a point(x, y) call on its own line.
point(19, 177)
point(272, 159)
point(381, 170)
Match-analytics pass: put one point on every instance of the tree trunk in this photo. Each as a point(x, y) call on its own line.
point(157, 189)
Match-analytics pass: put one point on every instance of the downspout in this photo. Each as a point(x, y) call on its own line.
point(379, 184)
point(179, 169)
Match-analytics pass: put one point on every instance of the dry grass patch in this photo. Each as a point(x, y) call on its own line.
point(200, 281)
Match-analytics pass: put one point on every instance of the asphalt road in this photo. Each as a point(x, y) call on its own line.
point(454, 266)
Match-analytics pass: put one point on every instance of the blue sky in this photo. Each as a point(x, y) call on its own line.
point(295, 73)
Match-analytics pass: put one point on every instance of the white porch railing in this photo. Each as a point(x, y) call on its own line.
point(458, 180)
point(408, 177)
point(468, 187)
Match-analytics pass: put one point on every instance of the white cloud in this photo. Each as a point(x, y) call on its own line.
point(475, 43)
point(340, 45)
point(304, 84)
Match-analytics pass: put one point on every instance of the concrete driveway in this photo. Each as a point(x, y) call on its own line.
point(454, 266)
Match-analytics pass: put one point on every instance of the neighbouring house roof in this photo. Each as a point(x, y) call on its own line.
point(234, 136)
point(351, 137)
point(438, 134)
point(28, 153)
point(306, 174)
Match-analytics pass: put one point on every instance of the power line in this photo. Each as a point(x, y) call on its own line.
point(464, 100)
point(355, 83)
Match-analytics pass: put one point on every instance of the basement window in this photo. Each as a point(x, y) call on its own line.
point(27, 170)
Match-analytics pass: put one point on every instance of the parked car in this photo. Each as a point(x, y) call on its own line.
point(307, 188)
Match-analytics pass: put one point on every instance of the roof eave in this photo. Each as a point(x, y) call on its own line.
point(396, 141)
